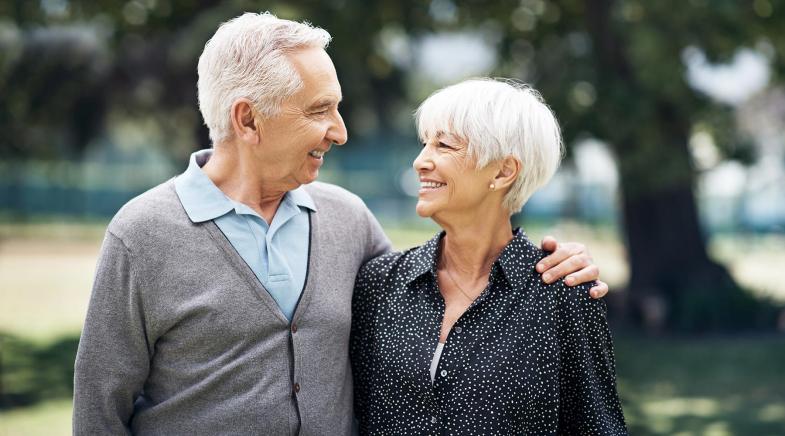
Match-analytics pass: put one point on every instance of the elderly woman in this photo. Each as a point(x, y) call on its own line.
point(461, 335)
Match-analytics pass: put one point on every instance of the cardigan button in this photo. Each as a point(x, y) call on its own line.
point(296, 388)
point(294, 328)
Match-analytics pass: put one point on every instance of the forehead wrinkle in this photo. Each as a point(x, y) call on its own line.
point(326, 101)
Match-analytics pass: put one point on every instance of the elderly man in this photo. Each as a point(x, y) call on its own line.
point(222, 298)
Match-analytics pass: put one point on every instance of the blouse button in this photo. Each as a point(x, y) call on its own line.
point(444, 373)
point(458, 329)
point(434, 420)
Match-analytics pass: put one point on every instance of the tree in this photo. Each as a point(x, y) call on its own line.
point(611, 69)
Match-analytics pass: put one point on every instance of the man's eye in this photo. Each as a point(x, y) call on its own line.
point(443, 145)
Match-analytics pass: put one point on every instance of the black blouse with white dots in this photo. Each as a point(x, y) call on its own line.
point(525, 358)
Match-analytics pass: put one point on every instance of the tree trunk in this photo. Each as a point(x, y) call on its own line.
point(667, 256)
point(673, 281)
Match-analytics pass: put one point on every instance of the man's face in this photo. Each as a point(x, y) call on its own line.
point(308, 123)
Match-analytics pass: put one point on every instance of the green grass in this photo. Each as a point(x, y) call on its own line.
point(51, 418)
point(714, 386)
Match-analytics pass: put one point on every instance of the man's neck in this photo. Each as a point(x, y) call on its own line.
point(241, 181)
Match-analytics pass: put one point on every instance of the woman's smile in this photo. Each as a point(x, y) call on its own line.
point(427, 185)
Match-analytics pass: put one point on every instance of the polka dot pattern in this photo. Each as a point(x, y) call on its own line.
point(525, 358)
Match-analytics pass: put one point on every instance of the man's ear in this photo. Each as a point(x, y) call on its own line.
point(508, 171)
point(244, 122)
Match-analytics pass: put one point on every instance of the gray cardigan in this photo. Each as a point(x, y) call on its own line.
point(181, 337)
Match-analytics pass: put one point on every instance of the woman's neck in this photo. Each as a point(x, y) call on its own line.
point(470, 247)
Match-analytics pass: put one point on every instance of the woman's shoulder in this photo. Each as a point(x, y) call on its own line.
point(407, 264)
point(520, 262)
point(380, 266)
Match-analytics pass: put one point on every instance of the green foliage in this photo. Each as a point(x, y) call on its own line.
point(31, 372)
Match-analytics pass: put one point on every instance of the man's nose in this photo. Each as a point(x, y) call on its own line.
point(337, 133)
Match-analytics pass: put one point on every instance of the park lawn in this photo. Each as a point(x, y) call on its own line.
point(51, 418)
point(702, 386)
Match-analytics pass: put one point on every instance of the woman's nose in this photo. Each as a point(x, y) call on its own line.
point(423, 161)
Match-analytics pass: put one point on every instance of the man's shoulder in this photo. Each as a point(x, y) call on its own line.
point(155, 208)
point(329, 195)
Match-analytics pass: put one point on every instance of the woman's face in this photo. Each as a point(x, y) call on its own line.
point(450, 183)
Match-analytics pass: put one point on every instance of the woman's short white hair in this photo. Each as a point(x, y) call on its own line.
point(498, 118)
point(246, 58)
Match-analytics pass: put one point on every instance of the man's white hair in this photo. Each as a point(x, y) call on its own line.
point(498, 118)
point(246, 58)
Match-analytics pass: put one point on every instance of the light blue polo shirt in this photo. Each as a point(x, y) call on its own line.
point(277, 253)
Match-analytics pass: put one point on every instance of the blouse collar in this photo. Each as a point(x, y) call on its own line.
point(518, 257)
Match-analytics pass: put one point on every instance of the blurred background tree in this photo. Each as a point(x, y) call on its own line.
point(614, 71)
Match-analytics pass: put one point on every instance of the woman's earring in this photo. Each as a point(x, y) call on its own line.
point(493, 187)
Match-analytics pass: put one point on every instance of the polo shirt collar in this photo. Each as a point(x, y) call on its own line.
point(302, 198)
point(203, 201)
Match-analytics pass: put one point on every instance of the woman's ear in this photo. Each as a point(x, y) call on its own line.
point(244, 122)
point(509, 168)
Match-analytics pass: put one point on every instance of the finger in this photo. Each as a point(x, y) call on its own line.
point(553, 259)
point(549, 244)
point(599, 291)
point(568, 266)
point(586, 275)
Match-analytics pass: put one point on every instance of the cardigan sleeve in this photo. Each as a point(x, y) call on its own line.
point(588, 401)
point(378, 242)
point(112, 360)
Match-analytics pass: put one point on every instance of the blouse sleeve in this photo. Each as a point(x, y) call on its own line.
point(588, 401)
point(364, 309)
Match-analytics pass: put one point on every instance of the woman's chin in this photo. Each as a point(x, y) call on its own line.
point(423, 210)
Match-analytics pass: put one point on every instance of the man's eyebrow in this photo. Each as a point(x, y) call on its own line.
point(324, 102)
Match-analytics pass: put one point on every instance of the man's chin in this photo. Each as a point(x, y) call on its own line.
point(309, 177)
